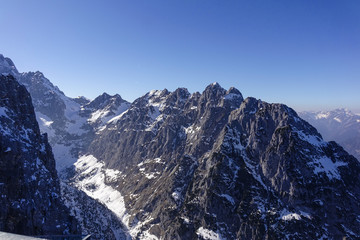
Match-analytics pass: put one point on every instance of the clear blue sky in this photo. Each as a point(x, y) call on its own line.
point(303, 53)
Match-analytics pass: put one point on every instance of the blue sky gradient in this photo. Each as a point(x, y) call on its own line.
point(305, 54)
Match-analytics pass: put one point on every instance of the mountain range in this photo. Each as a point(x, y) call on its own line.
point(181, 165)
point(340, 125)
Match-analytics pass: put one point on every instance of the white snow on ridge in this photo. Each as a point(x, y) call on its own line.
point(156, 102)
point(325, 164)
point(159, 118)
point(291, 216)
point(322, 115)
point(45, 123)
point(191, 130)
point(208, 234)
point(117, 118)
point(98, 114)
point(312, 139)
point(105, 117)
point(285, 215)
point(337, 119)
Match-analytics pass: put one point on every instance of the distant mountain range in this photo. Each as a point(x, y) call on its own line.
point(339, 125)
point(180, 165)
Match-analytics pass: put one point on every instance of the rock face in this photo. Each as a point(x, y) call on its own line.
point(339, 125)
point(71, 125)
point(210, 165)
point(213, 165)
point(29, 187)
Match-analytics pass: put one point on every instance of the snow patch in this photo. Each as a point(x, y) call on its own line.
point(325, 164)
point(150, 175)
point(91, 180)
point(322, 115)
point(98, 114)
point(291, 216)
point(117, 118)
point(176, 195)
point(106, 115)
point(112, 175)
point(208, 234)
point(191, 130)
point(157, 118)
point(44, 122)
point(337, 119)
point(312, 139)
point(285, 215)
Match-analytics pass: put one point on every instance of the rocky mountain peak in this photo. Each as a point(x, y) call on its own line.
point(178, 98)
point(214, 88)
point(29, 187)
point(38, 80)
point(104, 100)
point(251, 160)
point(7, 66)
point(211, 97)
point(210, 165)
point(82, 100)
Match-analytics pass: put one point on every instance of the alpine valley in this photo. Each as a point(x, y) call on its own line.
point(170, 165)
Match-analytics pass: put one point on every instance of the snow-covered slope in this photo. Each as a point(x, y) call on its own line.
point(210, 165)
point(71, 124)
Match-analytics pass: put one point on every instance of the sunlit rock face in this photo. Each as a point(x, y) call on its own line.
point(212, 165)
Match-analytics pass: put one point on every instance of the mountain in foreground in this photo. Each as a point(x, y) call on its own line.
point(29, 186)
point(70, 125)
point(339, 125)
point(210, 165)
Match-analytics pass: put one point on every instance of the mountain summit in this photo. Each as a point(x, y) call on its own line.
point(210, 165)
point(213, 164)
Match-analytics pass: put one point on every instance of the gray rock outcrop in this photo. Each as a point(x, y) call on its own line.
point(29, 186)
